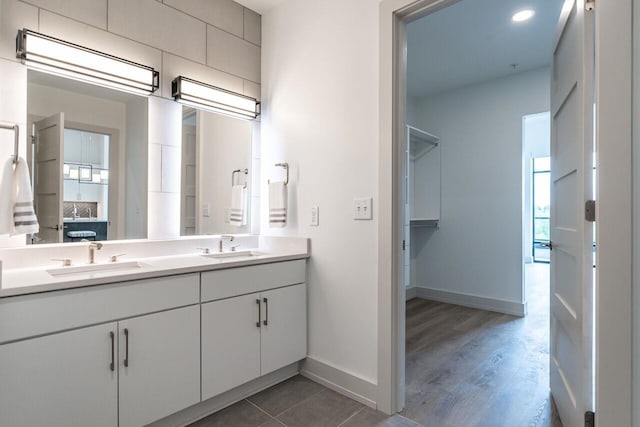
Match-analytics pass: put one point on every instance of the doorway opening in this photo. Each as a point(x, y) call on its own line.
point(480, 310)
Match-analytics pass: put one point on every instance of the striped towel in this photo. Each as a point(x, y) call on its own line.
point(238, 211)
point(277, 204)
point(24, 218)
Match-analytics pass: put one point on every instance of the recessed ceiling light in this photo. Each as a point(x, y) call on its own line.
point(523, 15)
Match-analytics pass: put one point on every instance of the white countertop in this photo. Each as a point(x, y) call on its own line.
point(22, 281)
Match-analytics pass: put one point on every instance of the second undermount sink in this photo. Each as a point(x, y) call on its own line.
point(83, 270)
point(231, 254)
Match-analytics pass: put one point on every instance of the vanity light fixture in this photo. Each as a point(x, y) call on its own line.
point(54, 56)
point(207, 97)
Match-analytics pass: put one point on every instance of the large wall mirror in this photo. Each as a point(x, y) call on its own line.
point(216, 174)
point(88, 159)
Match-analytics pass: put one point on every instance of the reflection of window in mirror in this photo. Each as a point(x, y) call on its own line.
point(89, 160)
point(214, 199)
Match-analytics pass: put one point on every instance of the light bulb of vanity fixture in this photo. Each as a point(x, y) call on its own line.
point(207, 97)
point(50, 55)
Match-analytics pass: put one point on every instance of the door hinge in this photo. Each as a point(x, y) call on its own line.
point(404, 244)
point(590, 211)
point(590, 5)
point(589, 419)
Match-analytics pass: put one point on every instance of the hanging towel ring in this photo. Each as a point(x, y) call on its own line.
point(284, 165)
point(233, 175)
point(16, 132)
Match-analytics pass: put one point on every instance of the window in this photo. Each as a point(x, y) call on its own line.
point(541, 208)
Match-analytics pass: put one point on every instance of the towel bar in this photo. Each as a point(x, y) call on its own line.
point(233, 175)
point(16, 130)
point(284, 165)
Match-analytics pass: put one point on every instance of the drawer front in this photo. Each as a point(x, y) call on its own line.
point(245, 280)
point(30, 315)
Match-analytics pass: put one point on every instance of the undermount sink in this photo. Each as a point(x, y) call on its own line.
point(94, 268)
point(231, 254)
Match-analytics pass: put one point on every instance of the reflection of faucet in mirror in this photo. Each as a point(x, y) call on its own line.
point(89, 212)
point(74, 212)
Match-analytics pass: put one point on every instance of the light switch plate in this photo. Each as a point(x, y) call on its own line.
point(362, 208)
point(227, 215)
point(315, 216)
point(205, 210)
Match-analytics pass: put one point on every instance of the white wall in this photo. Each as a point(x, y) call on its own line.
point(319, 81)
point(477, 249)
point(174, 37)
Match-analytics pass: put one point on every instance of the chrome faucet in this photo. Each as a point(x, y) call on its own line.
point(224, 236)
point(92, 251)
point(89, 212)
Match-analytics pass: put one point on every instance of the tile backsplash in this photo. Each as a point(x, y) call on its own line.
point(82, 209)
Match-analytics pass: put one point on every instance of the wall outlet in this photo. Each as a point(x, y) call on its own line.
point(362, 208)
point(315, 216)
point(227, 215)
point(205, 210)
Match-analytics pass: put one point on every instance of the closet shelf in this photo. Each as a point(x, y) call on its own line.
point(424, 222)
point(420, 142)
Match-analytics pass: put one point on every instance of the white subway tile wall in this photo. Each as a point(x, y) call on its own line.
point(217, 42)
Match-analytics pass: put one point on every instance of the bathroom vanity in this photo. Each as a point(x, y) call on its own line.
point(131, 342)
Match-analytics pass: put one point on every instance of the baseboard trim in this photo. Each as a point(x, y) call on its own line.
point(411, 292)
point(196, 412)
point(340, 381)
point(473, 301)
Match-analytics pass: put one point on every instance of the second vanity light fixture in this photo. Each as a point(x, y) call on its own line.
point(55, 56)
point(201, 95)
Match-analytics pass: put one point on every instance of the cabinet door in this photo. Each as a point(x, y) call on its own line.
point(230, 343)
point(63, 379)
point(284, 336)
point(159, 365)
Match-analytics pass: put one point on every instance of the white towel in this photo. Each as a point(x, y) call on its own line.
point(277, 204)
point(24, 218)
point(238, 212)
point(6, 198)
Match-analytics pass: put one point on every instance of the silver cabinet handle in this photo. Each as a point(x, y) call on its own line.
point(266, 311)
point(113, 353)
point(259, 312)
point(126, 347)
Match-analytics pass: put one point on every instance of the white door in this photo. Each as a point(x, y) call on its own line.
point(284, 327)
point(572, 236)
point(64, 379)
point(159, 371)
point(48, 191)
point(230, 343)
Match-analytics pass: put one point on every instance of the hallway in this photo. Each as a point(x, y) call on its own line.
point(469, 367)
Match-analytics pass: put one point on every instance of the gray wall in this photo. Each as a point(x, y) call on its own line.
point(477, 250)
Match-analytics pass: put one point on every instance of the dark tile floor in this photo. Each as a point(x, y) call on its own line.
point(299, 402)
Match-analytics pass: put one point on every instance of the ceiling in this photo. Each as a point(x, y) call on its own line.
point(474, 41)
point(260, 6)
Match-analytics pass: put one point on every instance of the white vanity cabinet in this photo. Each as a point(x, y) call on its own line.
point(284, 327)
point(246, 336)
point(78, 377)
point(64, 379)
point(159, 365)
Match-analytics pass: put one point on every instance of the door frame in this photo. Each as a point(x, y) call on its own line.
point(613, 323)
